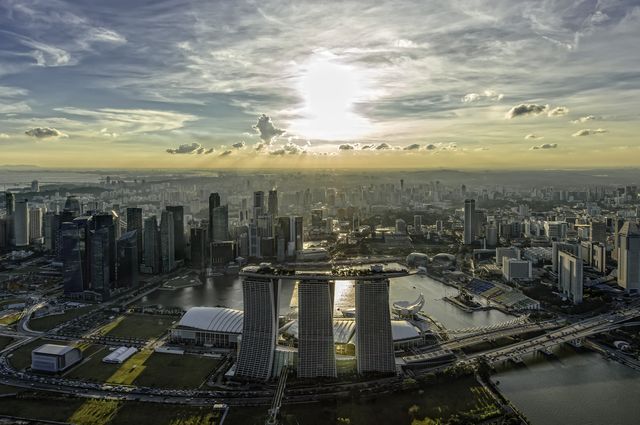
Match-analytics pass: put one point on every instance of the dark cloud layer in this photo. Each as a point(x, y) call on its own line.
point(267, 130)
point(44, 132)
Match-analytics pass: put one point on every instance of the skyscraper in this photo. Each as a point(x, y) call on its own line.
point(199, 248)
point(469, 221)
point(374, 341)
point(214, 202)
point(72, 267)
point(101, 258)
point(629, 258)
point(178, 231)
point(152, 257)
point(10, 202)
point(21, 223)
point(167, 241)
point(259, 328)
point(296, 237)
point(258, 203)
point(273, 203)
point(73, 204)
point(220, 223)
point(128, 264)
point(134, 222)
point(570, 276)
point(51, 231)
point(35, 225)
point(316, 348)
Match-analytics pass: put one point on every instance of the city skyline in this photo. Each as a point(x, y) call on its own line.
point(467, 85)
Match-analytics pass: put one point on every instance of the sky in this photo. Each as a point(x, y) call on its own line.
point(215, 84)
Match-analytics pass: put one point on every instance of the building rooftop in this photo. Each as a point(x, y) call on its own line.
point(216, 319)
point(53, 349)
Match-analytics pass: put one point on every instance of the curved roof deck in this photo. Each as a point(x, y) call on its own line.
point(215, 319)
point(356, 272)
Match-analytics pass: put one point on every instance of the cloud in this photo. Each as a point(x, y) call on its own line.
point(486, 95)
point(133, 120)
point(226, 153)
point(588, 132)
point(533, 136)
point(412, 147)
point(106, 133)
point(4, 136)
point(545, 146)
point(238, 145)
point(583, 119)
point(267, 130)
point(44, 132)
point(383, 146)
point(558, 111)
point(430, 147)
point(260, 146)
point(190, 149)
point(347, 147)
point(525, 109)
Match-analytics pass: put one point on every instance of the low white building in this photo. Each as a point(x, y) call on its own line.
point(209, 326)
point(516, 269)
point(120, 355)
point(54, 358)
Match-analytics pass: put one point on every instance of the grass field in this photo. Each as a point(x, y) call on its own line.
point(11, 318)
point(47, 323)
point(438, 401)
point(105, 412)
point(173, 371)
point(143, 326)
point(4, 341)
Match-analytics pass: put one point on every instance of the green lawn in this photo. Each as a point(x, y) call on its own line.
point(143, 326)
point(4, 341)
point(43, 324)
point(440, 400)
point(175, 371)
point(104, 412)
point(93, 369)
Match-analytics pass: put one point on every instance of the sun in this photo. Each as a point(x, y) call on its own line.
point(330, 90)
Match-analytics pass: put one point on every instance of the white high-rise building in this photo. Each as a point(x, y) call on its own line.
point(570, 277)
point(21, 223)
point(628, 257)
point(516, 269)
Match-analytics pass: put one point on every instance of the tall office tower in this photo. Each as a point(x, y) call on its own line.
point(51, 230)
point(152, 257)
point(73, 204)
point(296, 236)
point(492, 235)
point(316, 348)
point(83, 224)
point(401, 227)
point(258, 203)
point(254, 240)
point(72, 267)
point(265, 226)
point(214, 202)
point(108, 222)
point(134, 222)
point(35, 225)
point(167, 242)
point(259, 327)
point(200, 258)
point(629, 258)
point(4, 239)
point(219, 223)
point(417, 223)
point(21, 223)
point(178, 231)
point(273, 203)
point(617, 226)
point(316, 218)
point(35, 186)
point(10, 202)
point(598, 232)
point(128, 264)
point(101, 258)
point(374, 342)
point(570, 280)
point(469, 221)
